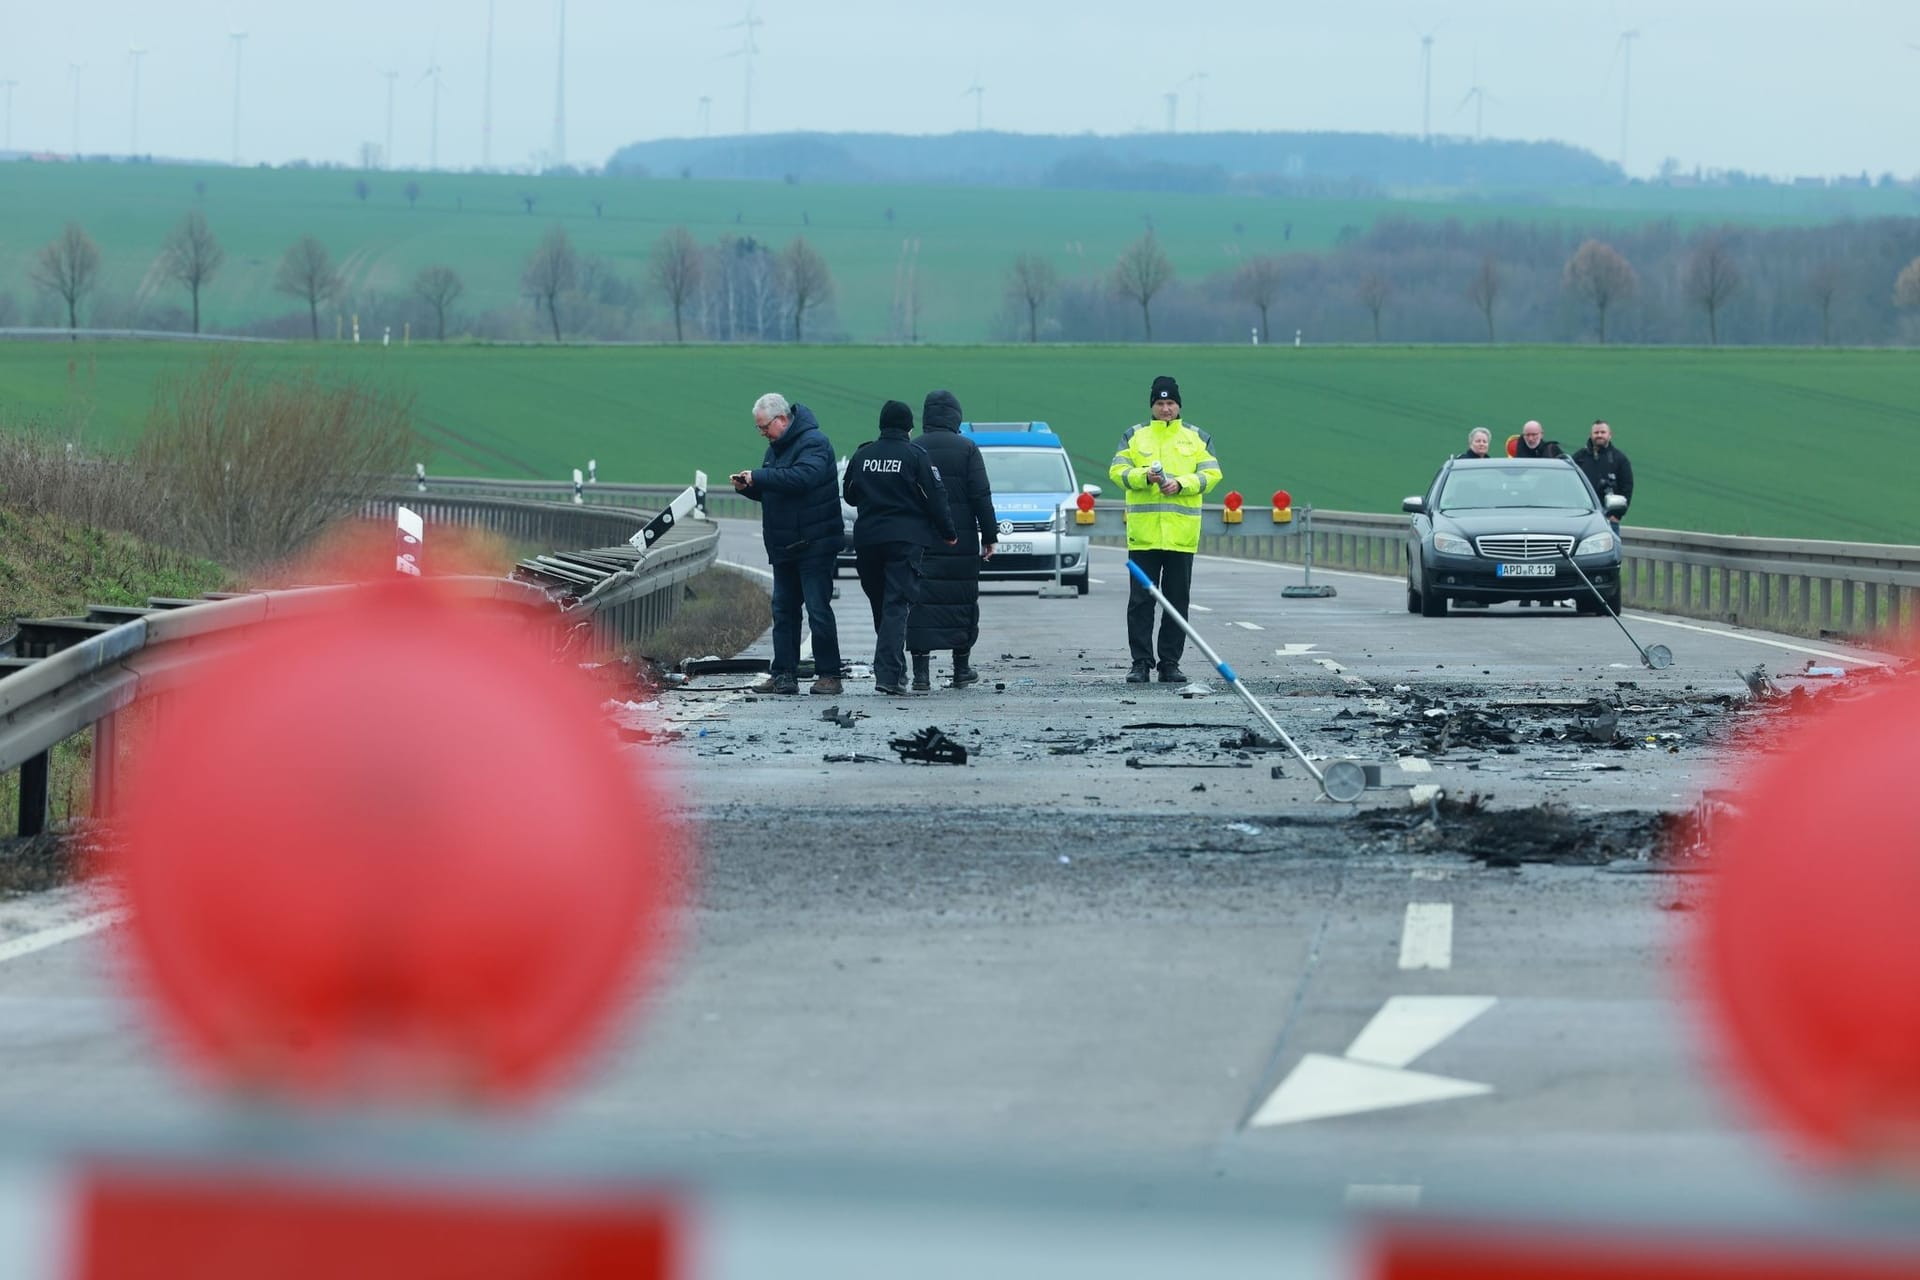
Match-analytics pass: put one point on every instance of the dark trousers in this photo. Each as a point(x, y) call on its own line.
point(1172, 572)
point(890, 575)
point(807, 581)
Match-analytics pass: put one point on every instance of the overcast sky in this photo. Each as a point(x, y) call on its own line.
point(1771, 86)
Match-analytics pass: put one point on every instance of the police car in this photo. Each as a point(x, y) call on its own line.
point(1032, 477)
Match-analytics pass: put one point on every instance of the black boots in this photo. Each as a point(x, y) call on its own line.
point(963, 672)
point(1141, 673)
point(922, 673)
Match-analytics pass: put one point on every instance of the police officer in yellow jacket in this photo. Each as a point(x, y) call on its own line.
point(1166, 467)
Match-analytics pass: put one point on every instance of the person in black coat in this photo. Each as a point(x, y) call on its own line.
point(800, 525)
point(1534, 444)
point(947, 614)
point(903, 506)
point(1606, 467)
point(1479, 440)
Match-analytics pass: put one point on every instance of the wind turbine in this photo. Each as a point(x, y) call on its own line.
point(1173, 108)
point(979, 91)
point(392, 78)
point(560, 95)
point(1479, 97)
point(6, 139)
point(239, 39)
point(1626, 90)
point(1426, 85)
point(433, 135)
point(706, 116)
point(486, 98)
point(136, 53)
point(749, 47)
point(1199, 79)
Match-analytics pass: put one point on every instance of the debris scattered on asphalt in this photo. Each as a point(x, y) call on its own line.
point(1244, 828)
point(1824, 672)
point(853, 757)
point(845, 719)
point(723, 666)
point(1135, 762)
point(1757, 683)
point(1195, 690)
point(930, 746)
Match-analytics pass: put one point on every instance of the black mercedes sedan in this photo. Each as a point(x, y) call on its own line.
point(1496, 529)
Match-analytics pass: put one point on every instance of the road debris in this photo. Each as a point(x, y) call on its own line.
point(853, 757)
point(845, 719)
point(929, 746)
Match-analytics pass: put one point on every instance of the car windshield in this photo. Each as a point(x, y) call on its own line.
point(1028, 471)
point(1481, 488)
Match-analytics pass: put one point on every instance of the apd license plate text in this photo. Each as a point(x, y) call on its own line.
point(1013, 548)
point(1540, 569)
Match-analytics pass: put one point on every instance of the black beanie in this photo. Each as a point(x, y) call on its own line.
point(1165, 388)
point(895, 416)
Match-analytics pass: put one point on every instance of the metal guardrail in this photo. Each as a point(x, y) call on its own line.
point(69, 674)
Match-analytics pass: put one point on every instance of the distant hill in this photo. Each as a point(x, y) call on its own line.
point(1352, 164)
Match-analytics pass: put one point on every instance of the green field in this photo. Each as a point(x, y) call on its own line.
point(1786, 443)
point(965, 237)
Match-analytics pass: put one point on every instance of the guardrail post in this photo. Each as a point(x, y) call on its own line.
point(34, 776)
point(106, 752)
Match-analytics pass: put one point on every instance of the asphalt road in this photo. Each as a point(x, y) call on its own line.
point(1194, 965)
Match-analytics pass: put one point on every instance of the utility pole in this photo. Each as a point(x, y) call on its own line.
point(136, 53)
point(239, 39)
point(392, 77)
point(1626, 91)
point(560, 95)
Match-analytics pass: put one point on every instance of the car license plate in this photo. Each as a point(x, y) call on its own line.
point(1544, 569)
point(1013, 548)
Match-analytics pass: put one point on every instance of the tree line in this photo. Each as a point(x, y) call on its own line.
point(1409, 280)
point(735, 289)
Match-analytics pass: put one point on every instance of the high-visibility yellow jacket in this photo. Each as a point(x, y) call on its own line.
point(1159, 521)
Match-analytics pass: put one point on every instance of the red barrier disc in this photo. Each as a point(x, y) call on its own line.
point(1810, 943)
point(392, 851)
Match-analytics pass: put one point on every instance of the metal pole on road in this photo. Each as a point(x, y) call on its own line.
point(1343, 780)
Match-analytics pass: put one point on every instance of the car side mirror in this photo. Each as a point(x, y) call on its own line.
point(1615, 504)
point(1093, 489)
point(1413, 506)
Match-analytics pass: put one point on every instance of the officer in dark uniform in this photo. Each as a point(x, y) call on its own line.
point(903, 506)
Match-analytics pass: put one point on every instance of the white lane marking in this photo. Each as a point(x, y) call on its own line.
point(1432, 873)
point(60, 933)
point(1415, 764)
point(1426, 939)
point(1323, 1086)
point(1408, 1026)
point(1199, 608)
point(1384, 1195)
point(1771, 644)
point(1294, 650)
point(1329, 664)
point(1248, 626)
point(1098, 582)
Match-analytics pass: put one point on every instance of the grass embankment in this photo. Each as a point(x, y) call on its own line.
point(1789, 443)
point(955, 242)
point(722, 612)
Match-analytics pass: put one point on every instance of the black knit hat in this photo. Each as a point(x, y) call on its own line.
point(1165, 388)
point(895, 416)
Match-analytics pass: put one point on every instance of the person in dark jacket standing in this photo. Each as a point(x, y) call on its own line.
point(1534, 444)
point(1606, 467)
point(1479, 440)
point(895, 487)
point(800, 524)
point(947, 614)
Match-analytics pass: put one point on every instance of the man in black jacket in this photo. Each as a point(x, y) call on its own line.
point(800, 524)
point(903, 505)
point(1534, 444)
point(947, 614)
point(1606, 467)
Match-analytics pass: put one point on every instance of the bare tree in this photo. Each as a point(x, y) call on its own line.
point(1823, 286)
point(1374, 291)
point(1031, 280)
point(805, 280)
point(1484, 291)
point(412, 192)
point(1710, 278)
point(439, 287)
point(192, 256)
point(1143, 270)
point(307, 272)
point(1906, 287)
point(675, 269)
point(553, 269)
point(69, 266)
point(1602, 277)
point(1258, 283)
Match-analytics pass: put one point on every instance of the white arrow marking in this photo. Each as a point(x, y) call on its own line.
point(1199, 608)
point(1323, 1086)
point(1408, 1026)
point(1329, 664)
point(1426, 940)
point(1294, 650)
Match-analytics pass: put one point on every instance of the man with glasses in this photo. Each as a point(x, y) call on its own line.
point(798, 491)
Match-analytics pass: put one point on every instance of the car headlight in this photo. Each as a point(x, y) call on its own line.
point(1597, 545)
point(1452, 545)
